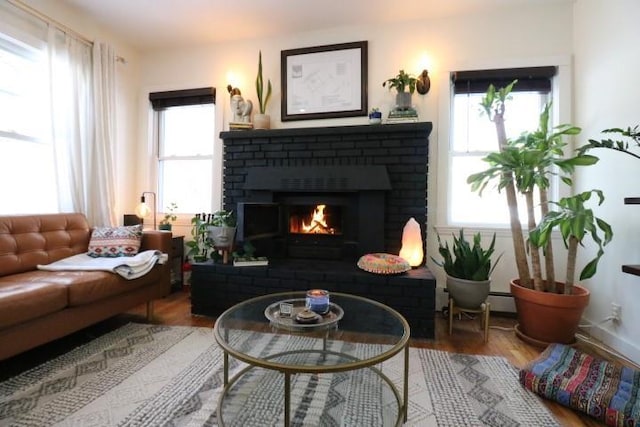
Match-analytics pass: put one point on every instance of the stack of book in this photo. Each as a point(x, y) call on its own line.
point(247, 261)
point(240, 126)
point(402, 116)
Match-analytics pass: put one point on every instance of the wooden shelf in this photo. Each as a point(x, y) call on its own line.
point(631, 269)
point(632, 200)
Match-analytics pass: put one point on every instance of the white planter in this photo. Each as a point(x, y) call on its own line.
point(403, 100)
point(222, 237)
point(468, 293)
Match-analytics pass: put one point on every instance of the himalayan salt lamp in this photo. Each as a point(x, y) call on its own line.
point(412, 243)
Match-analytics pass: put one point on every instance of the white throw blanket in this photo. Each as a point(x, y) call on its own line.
point(128, 267)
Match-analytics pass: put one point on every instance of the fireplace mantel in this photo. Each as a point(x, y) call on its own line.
point(330, 130)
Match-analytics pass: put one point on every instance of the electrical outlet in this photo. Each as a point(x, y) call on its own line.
point(615, 312)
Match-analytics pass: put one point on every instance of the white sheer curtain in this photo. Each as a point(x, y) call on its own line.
point(71, 119)
point(58, 120)
point(82, 111)
point(102, 180)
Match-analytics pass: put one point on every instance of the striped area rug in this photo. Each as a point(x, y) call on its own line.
point(153, 375)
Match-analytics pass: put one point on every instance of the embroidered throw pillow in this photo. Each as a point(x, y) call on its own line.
point(115, 241)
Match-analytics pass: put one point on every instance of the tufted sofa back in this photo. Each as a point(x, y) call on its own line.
point(29, 240)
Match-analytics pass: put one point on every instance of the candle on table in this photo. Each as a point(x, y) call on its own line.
point(318, 301)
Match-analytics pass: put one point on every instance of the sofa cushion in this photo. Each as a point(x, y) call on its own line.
point(29, 240)
point(115, 241)
point(85, 287)
point(25, 296)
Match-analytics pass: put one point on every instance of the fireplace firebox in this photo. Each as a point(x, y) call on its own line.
point(323, 212)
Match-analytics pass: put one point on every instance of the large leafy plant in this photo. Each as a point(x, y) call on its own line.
point(622, 146)
point(524, 165)
point(466, 261)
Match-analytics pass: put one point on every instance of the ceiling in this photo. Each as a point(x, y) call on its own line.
point(155, 24)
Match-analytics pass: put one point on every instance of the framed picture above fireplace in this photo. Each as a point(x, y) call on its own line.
point(324, 81)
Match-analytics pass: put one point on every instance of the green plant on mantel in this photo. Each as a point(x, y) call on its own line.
point(263, 99)
point(401, 82)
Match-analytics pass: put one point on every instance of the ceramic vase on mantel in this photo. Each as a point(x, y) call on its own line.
point(261, 121)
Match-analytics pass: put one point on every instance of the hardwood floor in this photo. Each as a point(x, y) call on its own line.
point(467, 337)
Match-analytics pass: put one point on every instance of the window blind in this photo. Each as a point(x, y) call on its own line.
point(530, 79)
point(176, 98)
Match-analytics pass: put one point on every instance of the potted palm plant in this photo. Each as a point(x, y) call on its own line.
point(262, 120)
point(402, 83)
point(548, 310)
point(468, 269)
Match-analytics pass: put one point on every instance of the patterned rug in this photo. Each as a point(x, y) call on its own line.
point(153, 375)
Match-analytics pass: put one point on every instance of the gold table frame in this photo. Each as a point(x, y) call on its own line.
point(402, 343)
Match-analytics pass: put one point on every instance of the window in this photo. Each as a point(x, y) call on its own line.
point(473, 136)
point(185, 143)
point(25, 140)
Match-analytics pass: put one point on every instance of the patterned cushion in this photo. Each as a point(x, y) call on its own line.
point(604, 390)
point(115, 241)
point(381, 263)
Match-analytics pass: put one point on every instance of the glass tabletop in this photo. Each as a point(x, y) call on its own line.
point(356, 332)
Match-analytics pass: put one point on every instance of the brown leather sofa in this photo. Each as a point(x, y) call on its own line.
point(40, 306)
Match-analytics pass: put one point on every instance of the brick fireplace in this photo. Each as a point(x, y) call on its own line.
point(368, 181)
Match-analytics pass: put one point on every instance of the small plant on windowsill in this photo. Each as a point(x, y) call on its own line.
point(169, 217)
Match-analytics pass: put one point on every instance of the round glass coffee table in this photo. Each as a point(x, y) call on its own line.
point(285, 372)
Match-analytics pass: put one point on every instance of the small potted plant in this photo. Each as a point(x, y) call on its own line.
point(468, 269)
point(262, 120)
point(199, 247)
point(401, 83)
point(375, 116)
point(169, 217)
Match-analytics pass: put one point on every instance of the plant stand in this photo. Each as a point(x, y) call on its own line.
point(225, 251)
point(484, 309)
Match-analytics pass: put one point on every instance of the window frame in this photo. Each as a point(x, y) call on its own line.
point(160, 101)
point(561, 92)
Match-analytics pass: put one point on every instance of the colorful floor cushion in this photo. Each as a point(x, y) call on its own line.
point(381, 263)
point(604, 390)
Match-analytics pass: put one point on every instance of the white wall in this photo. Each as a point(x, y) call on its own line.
point(607, 60)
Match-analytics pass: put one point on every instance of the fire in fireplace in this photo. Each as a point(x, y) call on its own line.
point(318, 219)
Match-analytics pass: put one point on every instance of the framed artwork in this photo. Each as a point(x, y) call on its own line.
point(324, 81)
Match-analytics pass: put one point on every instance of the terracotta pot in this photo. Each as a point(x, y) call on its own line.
point(468, 293)
point(545, 318)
